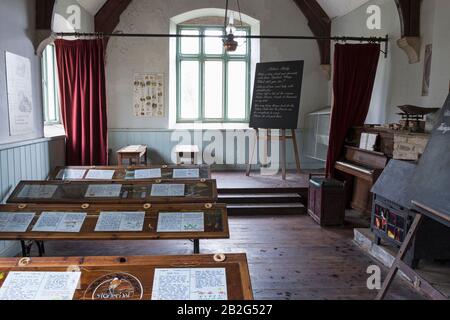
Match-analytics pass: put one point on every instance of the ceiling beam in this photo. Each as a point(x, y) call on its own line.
point(320, 24)
point(409, 12)
point(108, 17)
point(44, 14)
point(43, 24)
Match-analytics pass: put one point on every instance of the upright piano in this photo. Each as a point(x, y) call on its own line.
point(361, 168)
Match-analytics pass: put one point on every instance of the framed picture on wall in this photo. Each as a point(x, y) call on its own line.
point(20, 94)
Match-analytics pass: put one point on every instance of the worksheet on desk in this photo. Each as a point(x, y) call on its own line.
point(71, 174)
point(100, 174)
point(15, 221)
point(147, 173)
point(37, 191)
point(103, 191)
point(190, 284)
point(167, 190)
point(180, 222)
point(60, 222)
point(186, 173)
point(39, 285)
point(120, 221)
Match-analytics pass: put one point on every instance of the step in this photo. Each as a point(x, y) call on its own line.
point(237, 198)
point(265, 208)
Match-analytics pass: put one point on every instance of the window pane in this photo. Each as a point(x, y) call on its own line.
point(213, 89)
point(189, 90)
point(190, 45)
point(50, 84)
point(213, 45)
point(236, 89)
point(242, 43)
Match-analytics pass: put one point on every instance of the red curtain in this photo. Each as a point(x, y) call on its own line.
point(355, 67)
point(82, 87)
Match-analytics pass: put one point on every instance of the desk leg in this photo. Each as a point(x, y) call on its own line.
point(400, 255)
point(26, 247)
point(41, 248)
point(196, 246)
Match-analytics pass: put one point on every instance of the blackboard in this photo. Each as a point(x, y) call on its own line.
point(276, 95)
point(430, 185)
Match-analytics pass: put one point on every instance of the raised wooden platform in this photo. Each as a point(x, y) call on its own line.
point(258, 194)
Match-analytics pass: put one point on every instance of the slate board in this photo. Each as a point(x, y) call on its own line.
point(430, 185)
point(395, 181)
point(276, 95)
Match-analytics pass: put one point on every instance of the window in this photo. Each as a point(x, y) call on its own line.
point(212, 85)
point(50, 87)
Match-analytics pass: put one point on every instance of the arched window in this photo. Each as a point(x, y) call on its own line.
point(212, 85)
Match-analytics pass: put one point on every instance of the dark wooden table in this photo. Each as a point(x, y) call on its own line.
point(127, 172)
point(215, 224)
point(131, 192)
point(140, 270)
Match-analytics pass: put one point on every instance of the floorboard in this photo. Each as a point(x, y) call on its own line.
point(290, 257)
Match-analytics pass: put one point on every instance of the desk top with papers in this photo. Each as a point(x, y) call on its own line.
point(131, 172)
point(113, 222)
point(191, 277)
point(114, 192)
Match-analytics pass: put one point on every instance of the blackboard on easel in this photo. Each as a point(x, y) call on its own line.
point(430, 186)
point(276, 104)
point(276, 95)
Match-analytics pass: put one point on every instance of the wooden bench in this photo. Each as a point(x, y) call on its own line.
point(184, 152)
point(141, 270)
point(134, 154)
point(215, 224)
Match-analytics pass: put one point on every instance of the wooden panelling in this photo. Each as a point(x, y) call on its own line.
point(28, 160)
point(160, 147)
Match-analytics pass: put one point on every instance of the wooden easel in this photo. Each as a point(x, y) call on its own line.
point(283, 138)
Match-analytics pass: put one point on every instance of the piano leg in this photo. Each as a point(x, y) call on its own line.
point(362, 197)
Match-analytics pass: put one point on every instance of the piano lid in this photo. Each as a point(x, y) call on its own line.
point(393, 184)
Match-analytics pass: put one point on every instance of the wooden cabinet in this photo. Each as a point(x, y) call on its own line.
point(326, 201)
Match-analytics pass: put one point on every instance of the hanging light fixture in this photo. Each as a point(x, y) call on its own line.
point(229, 43)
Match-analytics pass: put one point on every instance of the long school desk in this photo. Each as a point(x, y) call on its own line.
point(132, 278)
point(114, 192)
point(214, 224)
point(132, 172)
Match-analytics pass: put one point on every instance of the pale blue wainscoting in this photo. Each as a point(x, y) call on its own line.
point(28, 160)
point(160, 147)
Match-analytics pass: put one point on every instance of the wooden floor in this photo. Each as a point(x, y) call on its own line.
point(290, 257)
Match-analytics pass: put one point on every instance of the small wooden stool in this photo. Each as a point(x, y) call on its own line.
point(182, 150)
point(130, 153)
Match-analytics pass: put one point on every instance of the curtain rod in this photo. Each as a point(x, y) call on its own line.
point(165, 35)
point(384, 40)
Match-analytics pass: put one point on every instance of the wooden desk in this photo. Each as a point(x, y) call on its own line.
point(191, 150)
point(95, 270)
point(215, 224)
point(130, 153)
point(127, 172)
point(131, 192)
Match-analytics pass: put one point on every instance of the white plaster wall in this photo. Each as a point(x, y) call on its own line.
point(125, 56)
point(397, 81)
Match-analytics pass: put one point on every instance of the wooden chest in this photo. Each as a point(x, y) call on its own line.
point(326, 201)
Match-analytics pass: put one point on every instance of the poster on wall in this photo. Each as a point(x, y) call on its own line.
point(148, 95)
point(20, 96)
point(427, 70)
